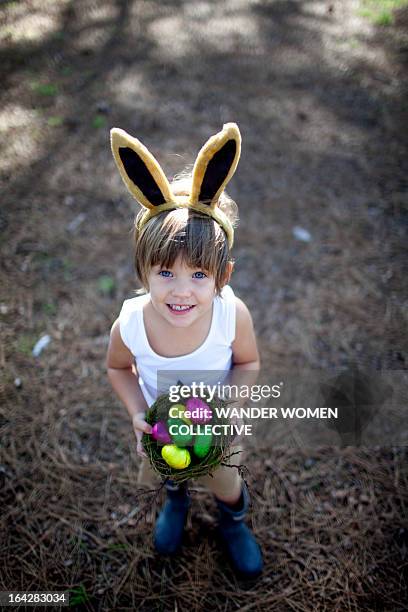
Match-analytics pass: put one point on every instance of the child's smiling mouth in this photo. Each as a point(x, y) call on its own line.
point(179, 309)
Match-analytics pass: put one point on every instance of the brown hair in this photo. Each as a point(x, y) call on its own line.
point(199, 239)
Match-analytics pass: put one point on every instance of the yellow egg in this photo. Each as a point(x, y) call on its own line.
point(177, 412)
point(175, 457)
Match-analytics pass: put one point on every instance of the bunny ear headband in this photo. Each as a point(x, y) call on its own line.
point(213, 169)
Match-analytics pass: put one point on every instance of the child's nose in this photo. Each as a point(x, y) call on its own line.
point(182, 289)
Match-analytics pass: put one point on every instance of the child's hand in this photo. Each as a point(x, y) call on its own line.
point(235, 420)
point(140, 427)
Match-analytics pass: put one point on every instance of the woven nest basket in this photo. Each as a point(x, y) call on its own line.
point(218, 452)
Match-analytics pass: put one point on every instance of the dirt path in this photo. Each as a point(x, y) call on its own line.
point(318, 93)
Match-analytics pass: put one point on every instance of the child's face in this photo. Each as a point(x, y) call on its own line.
point(180, 294)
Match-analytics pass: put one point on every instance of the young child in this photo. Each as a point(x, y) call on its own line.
point(189, 319)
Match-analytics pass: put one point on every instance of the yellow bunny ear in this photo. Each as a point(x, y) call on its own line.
point(140, 171)
point(215, 165)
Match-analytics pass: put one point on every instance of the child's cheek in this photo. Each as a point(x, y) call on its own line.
point(204, 289)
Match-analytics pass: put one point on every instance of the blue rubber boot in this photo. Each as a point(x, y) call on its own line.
point(168, 532)
point(240, 544)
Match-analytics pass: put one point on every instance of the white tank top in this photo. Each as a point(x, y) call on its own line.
point(213, 355)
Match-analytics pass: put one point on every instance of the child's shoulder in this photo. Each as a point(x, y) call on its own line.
point(231, 302)
point(243, 316)
point(131, 312)
point(135, 303)
point(227, 293)
point(131, 319)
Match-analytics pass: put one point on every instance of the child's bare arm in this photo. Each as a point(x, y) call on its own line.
point(245, 356)
point(245, 353)
point(123, 378)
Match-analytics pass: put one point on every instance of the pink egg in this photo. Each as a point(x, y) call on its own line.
point(200, 412)
point(160, 433)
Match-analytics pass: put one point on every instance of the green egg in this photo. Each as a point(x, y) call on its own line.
point(180, 439)
point(202, 445)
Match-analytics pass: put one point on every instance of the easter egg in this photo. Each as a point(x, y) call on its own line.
point(180, 439)
point(177, 412)
point(202, 445)
point(177, 458)
point(199, 412)
point(160, 433)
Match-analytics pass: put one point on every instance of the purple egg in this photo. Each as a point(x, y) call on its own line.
point(160, 433)
point(200, 412)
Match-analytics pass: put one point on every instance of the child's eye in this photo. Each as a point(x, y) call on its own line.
point(165, 273)
point(199, 275)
